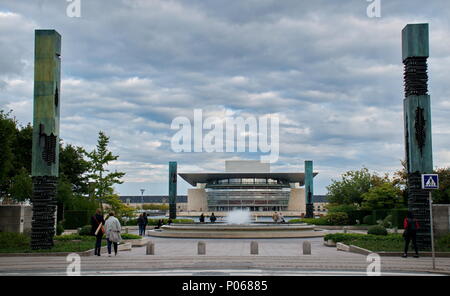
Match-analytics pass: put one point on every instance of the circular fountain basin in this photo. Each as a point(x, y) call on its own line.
point(237, 231)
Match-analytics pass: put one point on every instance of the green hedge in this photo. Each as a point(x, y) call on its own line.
point(357, 215)
point(398, 215)
point(75, 219)
point(377, 230)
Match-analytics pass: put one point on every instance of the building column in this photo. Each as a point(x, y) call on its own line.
point(309, 189)
point(173, 190)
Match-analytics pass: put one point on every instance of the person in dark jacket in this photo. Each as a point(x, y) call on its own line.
point(144, 216)
point(160, 223)
point(96, 220)
point(212, 218)
point(140, 222)
point(410, 225)
point(202, 218)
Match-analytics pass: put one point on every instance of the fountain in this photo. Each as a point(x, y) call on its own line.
point(237, 225)
point(238, 217)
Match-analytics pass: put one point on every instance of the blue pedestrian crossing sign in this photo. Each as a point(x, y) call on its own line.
point(430, 181)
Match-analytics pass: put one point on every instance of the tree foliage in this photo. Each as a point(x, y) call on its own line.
point(442, 195)
point(352, 186)
point(102, 180)
point(384, 196)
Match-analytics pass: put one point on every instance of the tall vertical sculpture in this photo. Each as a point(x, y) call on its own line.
point(417, 120)
point(173, 189)
point(309, 188)
point(45, 153)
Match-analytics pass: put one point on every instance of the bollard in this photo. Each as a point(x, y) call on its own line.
point(201, 248)
point(150, 248)
point(306, 248)
point(254, 248)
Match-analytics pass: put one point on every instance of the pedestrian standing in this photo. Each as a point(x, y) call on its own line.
point(144, 216)
point(113, 229)
point(98, 230)
point(410, 225)
point(140, 222)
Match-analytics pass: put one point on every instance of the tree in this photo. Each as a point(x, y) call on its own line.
point(442, 195)
point(7, 137)
point(384, 196)
point(352, 186)
point(21, 186)
point(101, 179)
point(74, 168)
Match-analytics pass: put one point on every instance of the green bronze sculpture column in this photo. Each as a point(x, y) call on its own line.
point(417, 120)
point(172, 190)
point(309, 189)
point(45, 154)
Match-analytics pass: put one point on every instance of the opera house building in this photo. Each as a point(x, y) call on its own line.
point(249, 185)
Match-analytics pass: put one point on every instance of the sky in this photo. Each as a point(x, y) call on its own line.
point(330, 73)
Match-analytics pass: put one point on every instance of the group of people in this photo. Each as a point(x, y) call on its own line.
point(212, 218)
point(110, 227)
point(142, 222)
point(278, 217)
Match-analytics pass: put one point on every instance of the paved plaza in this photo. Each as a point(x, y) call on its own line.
point(224, 257)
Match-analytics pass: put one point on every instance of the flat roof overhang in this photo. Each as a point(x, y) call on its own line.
point(195, 178)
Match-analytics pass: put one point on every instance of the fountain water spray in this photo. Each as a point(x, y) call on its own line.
point(238, 217)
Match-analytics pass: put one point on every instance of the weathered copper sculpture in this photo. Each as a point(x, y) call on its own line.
point(45, 162)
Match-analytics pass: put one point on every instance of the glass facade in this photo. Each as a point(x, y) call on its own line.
point(254, 194)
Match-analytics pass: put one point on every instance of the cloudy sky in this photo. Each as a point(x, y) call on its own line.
point(329, 72)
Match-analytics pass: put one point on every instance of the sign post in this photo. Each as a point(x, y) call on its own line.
point(431, 182)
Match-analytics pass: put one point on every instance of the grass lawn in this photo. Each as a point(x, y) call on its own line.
point(379, 243)
point(20, 243)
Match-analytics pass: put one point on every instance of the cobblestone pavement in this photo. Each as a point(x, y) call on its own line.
point(224, 257)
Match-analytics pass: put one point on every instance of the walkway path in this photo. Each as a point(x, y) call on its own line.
point(223, 257)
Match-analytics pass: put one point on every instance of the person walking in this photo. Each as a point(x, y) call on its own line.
point(410, 224)
point(212, 218)
point(144, 216)
point(113, 229)
point(160, 223)
point(140, 222)
point(275, 217)
point(97, 230)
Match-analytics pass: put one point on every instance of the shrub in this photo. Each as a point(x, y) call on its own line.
point(387, 222)
point(59, 228)
point(75, 219)
point(368, 220)
point(130, 236)
point(398, 215)
point(14, 240)
point(377, 230)
point(85, 230)
point(182, 221)
point(313, 221)
point(337, 218)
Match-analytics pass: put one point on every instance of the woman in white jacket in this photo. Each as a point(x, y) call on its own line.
point(113, 229)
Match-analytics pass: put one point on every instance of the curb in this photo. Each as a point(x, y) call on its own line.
point(122, 247)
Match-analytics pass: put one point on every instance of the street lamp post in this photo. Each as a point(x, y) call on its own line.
point(142, 198)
